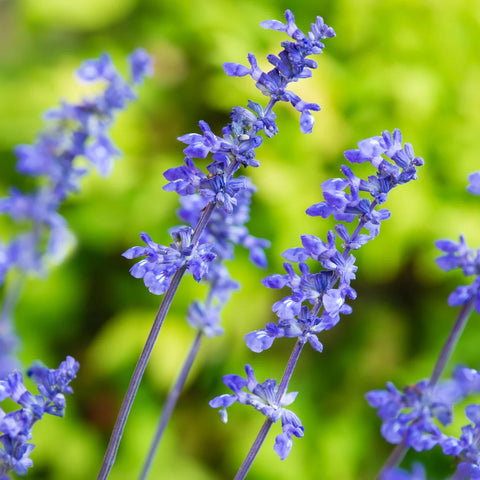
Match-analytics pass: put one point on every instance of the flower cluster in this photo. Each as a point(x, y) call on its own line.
point(290, 65)
point(410, 415)
point(74, 131)
point(343, 200)
point(242, 136)
point(415, 416)
point(16, 426)
point(236, 147)
point(224, 231)
point(262, 397)
point(378, 151)
point(76, 135)
point(162, 262)
point(474, 183)
point(418, 473)
point(459, 255)
point(316, 301)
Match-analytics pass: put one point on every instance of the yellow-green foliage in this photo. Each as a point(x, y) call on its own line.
point(409, 64)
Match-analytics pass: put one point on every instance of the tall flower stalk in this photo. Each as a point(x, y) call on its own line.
point(225, 231)
point(76, 138)
point(430, 403)
point(319, 293)
point(164, 266)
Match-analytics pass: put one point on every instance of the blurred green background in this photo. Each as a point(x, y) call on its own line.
point(411, 64)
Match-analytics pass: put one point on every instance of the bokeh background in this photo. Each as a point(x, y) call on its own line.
point(411, 64)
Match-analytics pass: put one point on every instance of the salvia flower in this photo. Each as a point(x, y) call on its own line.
point(8, 345)
point(459, 255)
point(74, 132)
point(345, 200)
point(319, 297)
point(185, 179)
point(225, 230)
point(141, 65)
point(220, 190)
point(418, 473)
point(306, 325)
point(344, 205)
point(54, 384)
point(162, 262)
point(289, 66)
point(217, 187)
point(205, 316)
point(474, 183)
point(410, 415)
point(16, 426)
point(262, 397)
point(242, 136)
point(296, 319)
point(467, 447)
point(199, 146)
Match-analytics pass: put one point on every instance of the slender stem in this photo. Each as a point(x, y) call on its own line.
point(393, 460)
point(270, 105)
point(202, 223)
point(287, 374)
point(126, 406)
point(170, 403)
point(127, 403)
point(175, 392)
point(9, 342)
point(401, 449)
point(10, 299)
point(247, 463)
point(451, 342)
